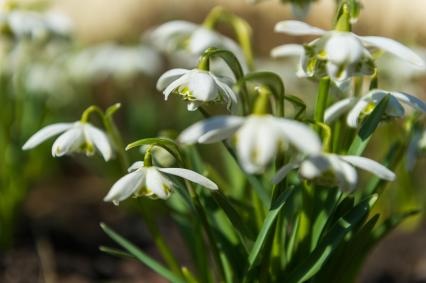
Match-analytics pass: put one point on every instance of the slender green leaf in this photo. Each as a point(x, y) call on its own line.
point(318, 258)
point(141, 256)
point(233, 216)
point(115, 252)
point(276, 207)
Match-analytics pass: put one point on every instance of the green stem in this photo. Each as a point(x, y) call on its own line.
point(111, 130)
point(207, 229)
point(160, 243)
point(321, 101)
point(241, 28)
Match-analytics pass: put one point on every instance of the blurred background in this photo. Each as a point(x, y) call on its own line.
point(97, 52)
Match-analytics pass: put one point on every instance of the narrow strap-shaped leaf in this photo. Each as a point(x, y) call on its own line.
point(141, 256)
point(115, 252)
point(316, 260)
point(368, 127)
point(233, 216)
point(276, 207)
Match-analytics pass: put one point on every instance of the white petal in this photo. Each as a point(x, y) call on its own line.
point(156, 183)
point(100, 140)
point(167, 36)
point(394, 48)
point(230, 95)
point(283, 172)
point(300, 135)
point(346, 174)
point(135, 166)
point(174, 85)
point(202, 86)
point(314, 166)
point(191, 176)
point(297, 28)
point(343, 48)
point(170, 76)
point(353, 116)
point(68, 142)
point(337, 109)
point(288, 50)
point(410, 100)
point(394, 107)
point(203, 38)
point(125, 187)
point(371, 166)
point(247, 145)
point(46, 133)
point(196, 132)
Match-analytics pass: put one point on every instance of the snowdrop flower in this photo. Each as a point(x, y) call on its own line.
point(37, 25)
point(338, 54)
point(258, 137)
point(187, 41)
point(117, 61)
point(76, 137)
point(153, 182)
point(332, 169)
point(360, 107)
point(197, 87)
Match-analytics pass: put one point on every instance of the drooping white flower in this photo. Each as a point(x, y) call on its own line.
point(36, 25)
point(359, 107)
point(197, 87)
point(333, 169)
point(119, 62)
point(338, 54)
point(258, 137)
point(186, 41)
point(75, 137)
point(153, 182)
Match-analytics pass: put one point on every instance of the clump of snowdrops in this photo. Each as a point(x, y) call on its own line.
point(292, 208)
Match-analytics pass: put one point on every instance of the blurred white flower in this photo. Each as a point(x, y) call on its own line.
point(75, 137)
point(360, 107)
point(258, 137)
point(337, 54)
point(116, 61)
point(36, 25)
point(333, 169)
point(197, 87)
point(152, 181)
point(185, 42)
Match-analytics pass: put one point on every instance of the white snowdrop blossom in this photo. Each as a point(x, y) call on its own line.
point(152, 182)
point(75, 137)
point(186, 41)
point(360, 107)
point(36, 25)
point(339, 55)
point(119, 62)
point(258, 137)
point(197, 87)
point(333, 169)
